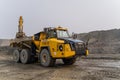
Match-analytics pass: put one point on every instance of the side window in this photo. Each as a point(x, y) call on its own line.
point(52, 34)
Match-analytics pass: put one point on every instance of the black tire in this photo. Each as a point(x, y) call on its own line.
point(16, 55)
point(69, 61)
point(25, 56)
point(45, 59)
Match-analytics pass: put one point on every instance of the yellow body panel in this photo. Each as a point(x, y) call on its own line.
point(53, 45)
point(87, 52)
point(60, 28)
point(37, 43)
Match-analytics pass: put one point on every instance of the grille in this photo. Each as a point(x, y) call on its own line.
point(79, 46)
point(80, 49)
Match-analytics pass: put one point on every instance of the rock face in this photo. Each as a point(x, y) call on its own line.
point(4, 42)
point(102, 41)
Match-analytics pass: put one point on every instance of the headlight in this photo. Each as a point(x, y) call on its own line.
point(61, 48)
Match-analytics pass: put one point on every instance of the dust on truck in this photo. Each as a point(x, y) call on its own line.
point(47, 46)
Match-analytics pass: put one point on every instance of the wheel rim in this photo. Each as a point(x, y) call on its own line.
point(16, 55)
point(24, 56)
point(44, 58)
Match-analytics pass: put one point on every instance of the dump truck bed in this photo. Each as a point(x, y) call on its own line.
point(26, 41)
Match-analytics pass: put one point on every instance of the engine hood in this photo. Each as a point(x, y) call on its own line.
point(71, 40)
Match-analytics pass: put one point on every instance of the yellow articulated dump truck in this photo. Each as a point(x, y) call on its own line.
point(47, 46)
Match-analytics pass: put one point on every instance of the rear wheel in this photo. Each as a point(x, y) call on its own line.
point(16, 55)
point(69, 61)
point(45, 58)
point(25, 56)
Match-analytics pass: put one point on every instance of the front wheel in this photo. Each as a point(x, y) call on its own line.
point(45, 58)
point(69, 61)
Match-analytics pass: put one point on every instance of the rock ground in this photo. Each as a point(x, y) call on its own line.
point(93, 67)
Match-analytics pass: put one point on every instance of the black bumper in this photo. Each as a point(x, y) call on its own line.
point(80, 52)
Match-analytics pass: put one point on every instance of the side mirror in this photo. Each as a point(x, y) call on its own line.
point(87, 42)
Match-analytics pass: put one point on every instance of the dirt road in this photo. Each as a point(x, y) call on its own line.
point(85, 69)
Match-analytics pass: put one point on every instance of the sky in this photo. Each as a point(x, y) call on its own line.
point(79, 16)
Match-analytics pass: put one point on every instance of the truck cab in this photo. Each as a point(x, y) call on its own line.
point(59, 45)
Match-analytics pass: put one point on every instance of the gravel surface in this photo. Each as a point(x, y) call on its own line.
point(83, 69)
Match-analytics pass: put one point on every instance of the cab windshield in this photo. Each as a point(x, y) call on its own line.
point(62, 33)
